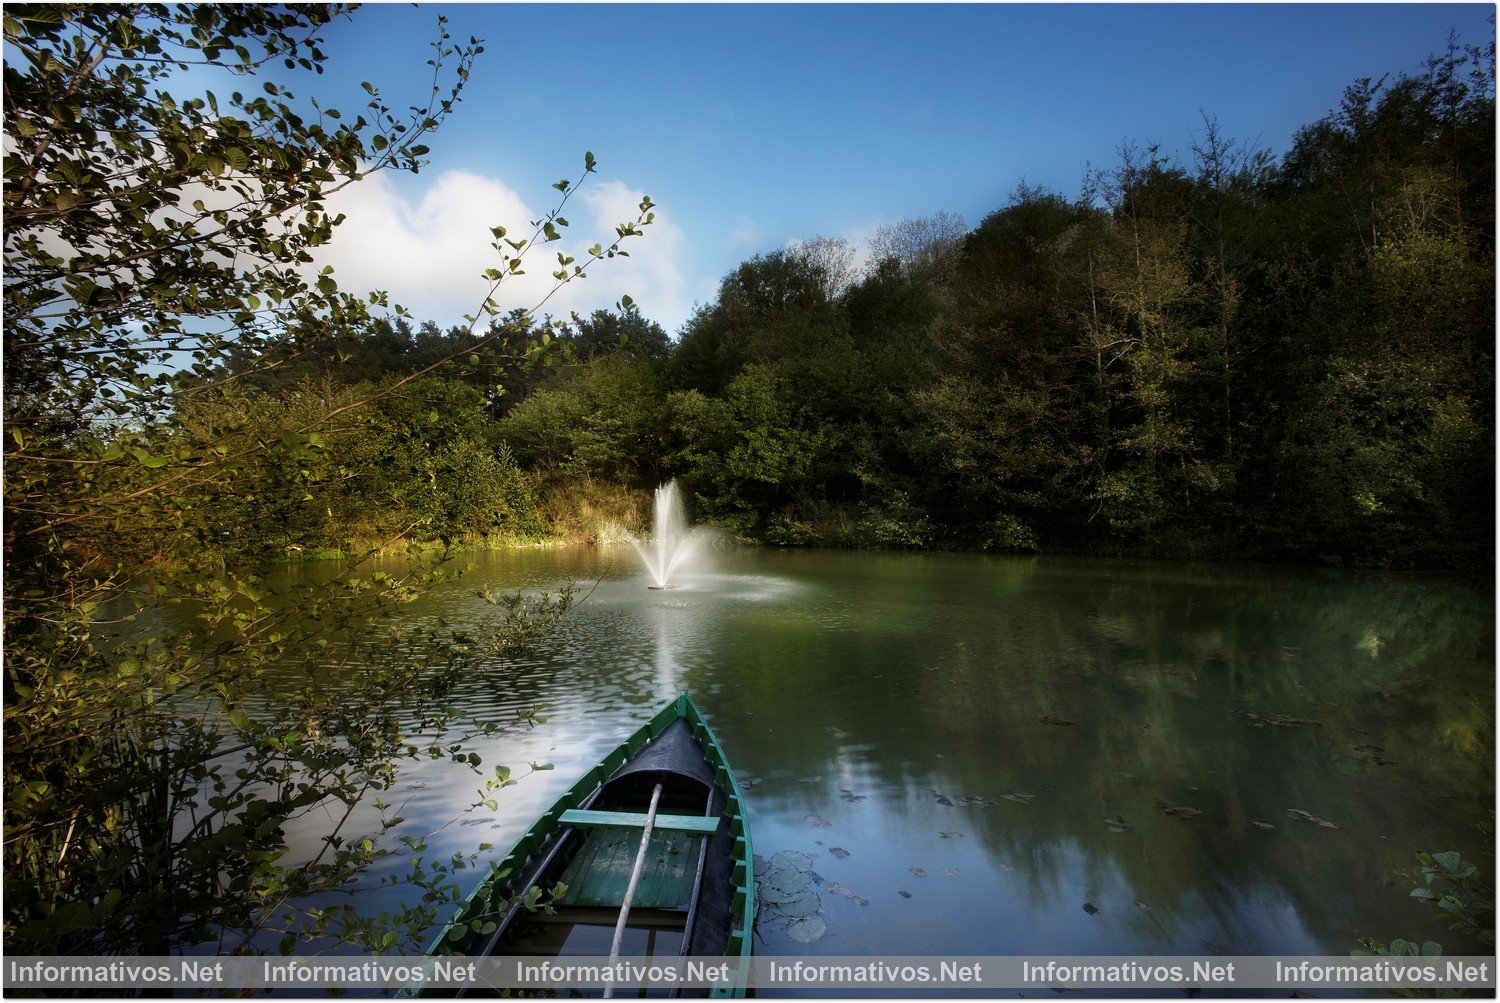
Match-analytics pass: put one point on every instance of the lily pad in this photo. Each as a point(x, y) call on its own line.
point(803, 905)
point(949, 873)
point(818, 822)
point(834, 888)
point(807, 929)
point(903, 893)
point(792, 858)
point(838, 851)
point(1261, 825)
point(1116, 823)
point(1280, 721)
point(951, 835)
point(772, 895)
point(1140, 905)
point(1180, 811)
point(979, 799)
point(810, 780)
point(1091, 909)
point(1302, 816)
point(851, 797)
point(944, 801)
point(917, 872)
point(1054, 719)
point(1019, 797)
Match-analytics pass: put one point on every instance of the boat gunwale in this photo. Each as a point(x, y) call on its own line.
point(478, 902)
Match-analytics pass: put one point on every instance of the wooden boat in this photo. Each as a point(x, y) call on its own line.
point(654, 852)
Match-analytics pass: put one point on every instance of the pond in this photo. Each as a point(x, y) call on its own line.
point(1007, 755)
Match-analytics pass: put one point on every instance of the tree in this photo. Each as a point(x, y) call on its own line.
point(1231, 180)
point(148, 233)
point(605, 331)
point(924, 247)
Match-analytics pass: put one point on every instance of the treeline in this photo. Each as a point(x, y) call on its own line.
point(1218, 355)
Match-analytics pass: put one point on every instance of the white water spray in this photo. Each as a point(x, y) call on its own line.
point(673, 544)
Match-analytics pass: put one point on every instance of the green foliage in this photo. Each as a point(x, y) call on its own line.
point(1466, 904)
point(602, 420)
point(170, 711)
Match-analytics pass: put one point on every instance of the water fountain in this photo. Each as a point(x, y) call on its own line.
point(673, 543)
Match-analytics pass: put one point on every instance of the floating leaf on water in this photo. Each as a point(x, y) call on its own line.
point(1367, 747)
point(949, 873)
point(979, 799)
point(1261, 825)
point(951, 835)
point(917, 872)
point(807, 929)
point(1181, 811)
point(1280, 721)
point(834, 888)
point(1053, 719)
point(1302, 816)
point(1091, 909)
point(805, 904)
point(1116, 823)
point(1006, 866)
point(1192, 789)
point(1444, 794)
point(775, 894)
point(792, 858)
point(944, 801)
point(903, 893)
point(1140, 905)
point(748, 783)
point(851, 797)
point(1019, 797)
point(818, 822)
point(811, 780)
point(1384, 762)
point(838, 851)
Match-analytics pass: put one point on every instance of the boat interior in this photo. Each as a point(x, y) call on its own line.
point(679, 905)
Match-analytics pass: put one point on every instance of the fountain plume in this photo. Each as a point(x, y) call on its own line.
point(673, 543)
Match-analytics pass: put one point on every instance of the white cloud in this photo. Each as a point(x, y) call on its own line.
point(747, 232)
point(430, 254)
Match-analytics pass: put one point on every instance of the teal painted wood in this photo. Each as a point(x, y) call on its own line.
point(637, 820)
point(477, 915)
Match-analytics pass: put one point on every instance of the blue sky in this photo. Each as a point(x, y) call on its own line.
point(753, 125)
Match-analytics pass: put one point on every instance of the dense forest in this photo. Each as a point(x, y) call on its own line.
point(1223, 356)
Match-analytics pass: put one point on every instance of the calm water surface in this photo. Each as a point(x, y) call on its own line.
point(909, 711)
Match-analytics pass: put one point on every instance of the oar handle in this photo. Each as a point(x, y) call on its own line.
point(635, 880)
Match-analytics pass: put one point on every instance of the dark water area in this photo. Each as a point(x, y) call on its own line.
point(998, 756)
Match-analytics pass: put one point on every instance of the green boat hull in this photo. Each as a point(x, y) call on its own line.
point(474, 923)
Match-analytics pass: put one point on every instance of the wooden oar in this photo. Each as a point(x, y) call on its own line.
point(635, 880)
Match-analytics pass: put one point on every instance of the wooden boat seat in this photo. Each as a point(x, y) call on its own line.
point(599, 873)
point(702, 824)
